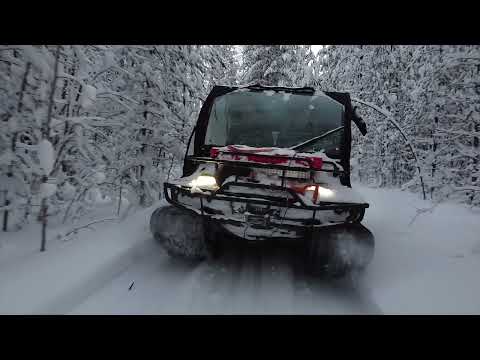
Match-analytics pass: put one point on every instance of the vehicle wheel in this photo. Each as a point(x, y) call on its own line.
point(337, 251)
point(360, 216)
point(180, 232)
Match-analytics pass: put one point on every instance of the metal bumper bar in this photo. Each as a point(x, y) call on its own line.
point(172, 191)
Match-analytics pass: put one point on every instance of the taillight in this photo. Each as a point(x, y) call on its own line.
point(214, 152)
point(314, 189)
point(300, 188)
point(316, 192)
point(316, 163)
point(307, 189)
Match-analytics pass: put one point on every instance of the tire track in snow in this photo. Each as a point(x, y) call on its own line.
point(72, 299)
point(362, 293)
point(244, 292)
point(192, 289)
point(340, 296)
point(277, 289)
point(216, 291)
point(211, 287)
point(256, 279)
point(234, 265)
point(260, 279)
point(157, 281)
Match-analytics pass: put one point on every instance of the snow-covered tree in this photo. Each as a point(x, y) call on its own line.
point(115, 121)
point(432, 93)
point(280, 65)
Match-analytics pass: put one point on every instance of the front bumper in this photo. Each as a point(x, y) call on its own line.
point(255, 216)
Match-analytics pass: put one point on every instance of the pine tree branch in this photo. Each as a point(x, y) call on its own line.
point(390, 118)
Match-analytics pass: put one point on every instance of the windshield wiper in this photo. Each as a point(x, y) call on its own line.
point(312, 140)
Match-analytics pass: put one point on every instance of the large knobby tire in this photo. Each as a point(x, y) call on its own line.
point(180, 232)
point(337, 251)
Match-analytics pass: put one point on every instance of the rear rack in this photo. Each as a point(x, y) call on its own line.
point(259, 87)
point(200, 159)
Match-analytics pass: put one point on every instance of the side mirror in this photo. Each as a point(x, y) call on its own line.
point(359, 122)
point(334, 153)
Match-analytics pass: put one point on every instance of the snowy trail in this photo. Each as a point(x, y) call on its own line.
point(422, 267)
point(61, 278)
point(246, 280)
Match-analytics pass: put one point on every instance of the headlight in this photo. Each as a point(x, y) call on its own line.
point(319, 192)
point(324, 192)
point(288, 173)
point(205, 182)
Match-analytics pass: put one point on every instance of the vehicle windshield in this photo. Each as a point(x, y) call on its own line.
point(277, 119)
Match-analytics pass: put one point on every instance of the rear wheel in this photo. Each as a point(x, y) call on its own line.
point(182, 233)
point(338, 250)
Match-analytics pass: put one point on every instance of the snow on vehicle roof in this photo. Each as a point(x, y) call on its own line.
point(271, 90)
point(275, 151)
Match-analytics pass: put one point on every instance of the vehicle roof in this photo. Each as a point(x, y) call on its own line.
point(305, 89)
point(258, 87)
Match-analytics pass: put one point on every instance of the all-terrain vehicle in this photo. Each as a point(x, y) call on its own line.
point(267, 163)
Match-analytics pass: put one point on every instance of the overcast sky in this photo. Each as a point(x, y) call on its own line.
point(315, 48)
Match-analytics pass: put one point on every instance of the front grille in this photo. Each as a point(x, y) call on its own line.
point(258, 209)
point(293, 174)
point(259, 192)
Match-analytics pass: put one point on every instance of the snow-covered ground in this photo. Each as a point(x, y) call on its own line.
point(428, 266)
